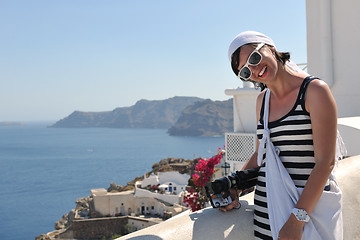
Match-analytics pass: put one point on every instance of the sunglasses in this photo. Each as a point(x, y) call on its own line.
point(254, 59)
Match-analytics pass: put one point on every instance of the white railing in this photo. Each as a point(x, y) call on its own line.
point(239, 146)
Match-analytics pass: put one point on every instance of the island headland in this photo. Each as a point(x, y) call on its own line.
point(182, 116)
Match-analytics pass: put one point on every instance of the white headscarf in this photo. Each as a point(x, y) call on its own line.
point(256, 37)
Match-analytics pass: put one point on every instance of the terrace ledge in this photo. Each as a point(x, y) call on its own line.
point(211, 223)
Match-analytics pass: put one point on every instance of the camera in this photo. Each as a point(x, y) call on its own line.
point(218, 190)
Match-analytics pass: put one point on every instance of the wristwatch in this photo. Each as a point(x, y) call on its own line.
point(301, 214)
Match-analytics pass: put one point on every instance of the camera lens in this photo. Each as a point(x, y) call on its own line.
point(220, 185)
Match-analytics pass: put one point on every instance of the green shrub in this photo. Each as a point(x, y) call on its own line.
point(115, 236)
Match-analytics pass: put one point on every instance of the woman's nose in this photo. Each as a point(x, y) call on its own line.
point(252, 68)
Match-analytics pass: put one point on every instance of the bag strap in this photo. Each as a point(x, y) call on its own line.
point(266, 132)
point(266, 109)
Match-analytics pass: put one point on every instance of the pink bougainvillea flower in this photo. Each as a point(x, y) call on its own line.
point(196, 196)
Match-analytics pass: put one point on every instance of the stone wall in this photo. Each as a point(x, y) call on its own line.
point(92, 229)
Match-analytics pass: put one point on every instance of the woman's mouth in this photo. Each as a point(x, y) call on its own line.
point(262, 71)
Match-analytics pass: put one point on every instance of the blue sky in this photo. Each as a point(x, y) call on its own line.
point(87, 55)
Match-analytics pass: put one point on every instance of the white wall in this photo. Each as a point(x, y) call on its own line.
point(112, 203)
point(165, 197)
point(102, 205)
point(151, 180)
point(173, 177)
point(333, 37)
point(349, 129)
point(244, 105)
point(139, 223)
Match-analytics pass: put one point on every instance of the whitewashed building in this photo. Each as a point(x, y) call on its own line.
point(126, 203)
point(170, 182)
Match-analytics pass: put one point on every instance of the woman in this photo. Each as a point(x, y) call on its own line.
point(302, 124)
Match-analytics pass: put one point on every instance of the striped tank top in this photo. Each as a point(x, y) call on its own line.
point(292, 135)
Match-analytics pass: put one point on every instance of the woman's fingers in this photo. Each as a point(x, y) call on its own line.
point(235, 201)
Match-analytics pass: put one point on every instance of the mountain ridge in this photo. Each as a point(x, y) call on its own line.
point(205, 118)
point(143, 114)
point(182, 116)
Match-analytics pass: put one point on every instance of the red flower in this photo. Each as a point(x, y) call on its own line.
point(196, 196)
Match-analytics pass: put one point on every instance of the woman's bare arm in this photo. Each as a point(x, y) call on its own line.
point(323, 114)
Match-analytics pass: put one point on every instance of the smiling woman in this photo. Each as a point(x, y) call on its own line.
point(296, 118)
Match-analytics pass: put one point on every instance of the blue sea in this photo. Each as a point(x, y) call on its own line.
point(44, 170)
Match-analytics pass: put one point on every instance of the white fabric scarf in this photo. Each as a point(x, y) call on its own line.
point(282, 195)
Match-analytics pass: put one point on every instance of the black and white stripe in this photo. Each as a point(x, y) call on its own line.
point(292, 135)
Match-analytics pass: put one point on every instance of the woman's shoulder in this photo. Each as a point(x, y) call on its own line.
point(317, 82)
point(318, 88)
point(318, 94)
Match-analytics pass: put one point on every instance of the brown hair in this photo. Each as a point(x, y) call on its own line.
point(282, 57)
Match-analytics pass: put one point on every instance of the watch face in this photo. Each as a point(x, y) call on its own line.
point(301, 214)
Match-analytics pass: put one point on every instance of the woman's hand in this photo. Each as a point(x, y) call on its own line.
point(235, 201)
point(292, 229)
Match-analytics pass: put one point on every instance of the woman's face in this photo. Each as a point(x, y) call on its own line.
point(266, 70)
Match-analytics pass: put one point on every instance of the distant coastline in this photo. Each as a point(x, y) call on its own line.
point(182, 116)
point(11, 123)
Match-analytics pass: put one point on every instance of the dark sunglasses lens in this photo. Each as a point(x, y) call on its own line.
point(245, 73)
point(255, 58)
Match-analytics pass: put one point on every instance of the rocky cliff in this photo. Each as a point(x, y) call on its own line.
point(182, 116)
point(144, 114)
point(205, 118)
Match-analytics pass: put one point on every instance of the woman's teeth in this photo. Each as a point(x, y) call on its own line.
point(262, 71)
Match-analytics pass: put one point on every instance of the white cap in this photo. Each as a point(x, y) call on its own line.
point(246, 38)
